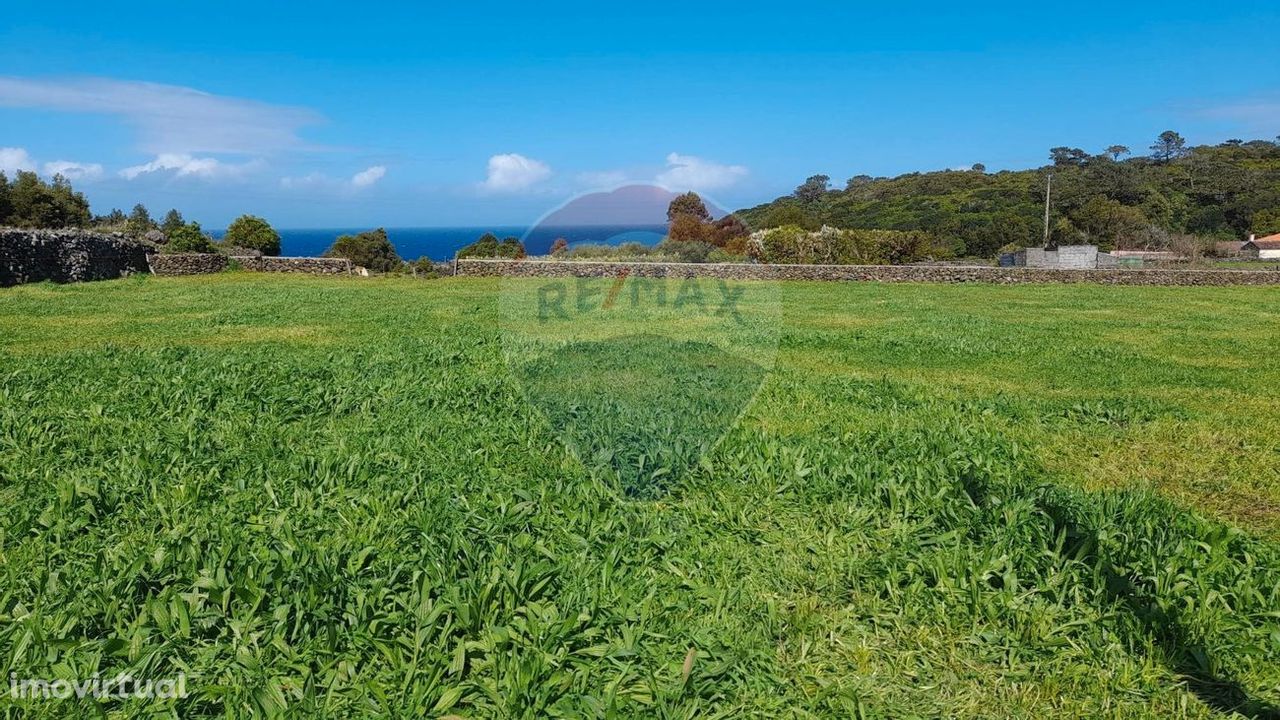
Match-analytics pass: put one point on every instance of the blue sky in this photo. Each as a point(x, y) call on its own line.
point(492, 113)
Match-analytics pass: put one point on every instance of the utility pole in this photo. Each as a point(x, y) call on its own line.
point(1047, 190)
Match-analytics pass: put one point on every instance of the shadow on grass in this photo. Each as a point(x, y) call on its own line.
point(1187, 656)
point(640, 408)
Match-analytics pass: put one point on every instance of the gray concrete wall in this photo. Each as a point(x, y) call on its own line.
point(1079, 257)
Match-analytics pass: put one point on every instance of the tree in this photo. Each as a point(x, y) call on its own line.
point(253, 233)
point(37, 204)
point(724, 233)
point(687, 228)
point(114, 219)
point(1266, 222)
point(139, 221)
point(1115, 151)
point(688, 204)
point(189, 238)
point(172, 221)
point(979, 168)
point(1108, 223)
point(787, 213)
point(1066, 156)
point(813, 188)
point(857, 181)
point(371, 250)
point(559, 245)
point(6, 206)
point(1168, 147)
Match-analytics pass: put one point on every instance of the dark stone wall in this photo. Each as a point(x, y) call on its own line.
point(67, 256)
point(188, 264)
point(201, 264)
point(865, 273)
point(308, 265)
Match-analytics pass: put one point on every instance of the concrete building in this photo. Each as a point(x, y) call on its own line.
point(1261, 248)
point(1078, 257)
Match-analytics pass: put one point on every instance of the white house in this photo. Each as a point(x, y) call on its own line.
point(1261, 248)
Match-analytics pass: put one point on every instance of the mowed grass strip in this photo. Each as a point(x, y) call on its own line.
point(329, 497)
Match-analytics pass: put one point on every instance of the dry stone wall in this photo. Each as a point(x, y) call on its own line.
point(864, 273)
point(67, 256)
point(200, 264)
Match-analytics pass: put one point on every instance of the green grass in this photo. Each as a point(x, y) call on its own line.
point(333, 498)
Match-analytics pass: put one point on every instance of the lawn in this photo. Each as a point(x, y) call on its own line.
point(338, 498)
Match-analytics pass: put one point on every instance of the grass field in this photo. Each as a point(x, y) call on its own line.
point(330, 498)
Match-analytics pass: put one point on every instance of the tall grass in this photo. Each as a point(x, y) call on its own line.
point(328, 498)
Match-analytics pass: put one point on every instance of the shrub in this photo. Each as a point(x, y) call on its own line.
point(423, 267)
point(488, 246)
point(689, 252)
point(832, 246)
point(371, 250)
point(189, 238)
point(254, 233)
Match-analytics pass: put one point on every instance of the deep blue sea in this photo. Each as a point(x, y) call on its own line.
point(440, 243)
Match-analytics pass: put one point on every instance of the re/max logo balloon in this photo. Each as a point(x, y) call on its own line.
point(582, 296)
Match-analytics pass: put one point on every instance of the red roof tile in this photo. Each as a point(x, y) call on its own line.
point(1270, 242)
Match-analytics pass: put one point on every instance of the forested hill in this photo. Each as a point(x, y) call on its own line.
point(1174, 194)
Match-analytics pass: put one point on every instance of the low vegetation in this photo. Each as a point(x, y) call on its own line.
point(489, 246)
point(1173, 196)
point(323, 497)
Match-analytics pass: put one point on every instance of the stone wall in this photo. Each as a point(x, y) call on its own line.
point(864, 273)
point(188, 264)
point(200, 264)
point(307, 265)
point(66, 256)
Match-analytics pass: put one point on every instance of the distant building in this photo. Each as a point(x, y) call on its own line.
point(1068, 257)
point(1150, 256)
point(1261, 248)
point(1228, 249)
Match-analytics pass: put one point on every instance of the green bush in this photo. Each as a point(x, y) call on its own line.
point(254, 233)
point(831, 246)
point(693, 251)
point(189, 238)
point(371, 250)
point(488, 246)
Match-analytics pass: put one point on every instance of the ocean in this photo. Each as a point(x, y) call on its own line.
point(440, 243)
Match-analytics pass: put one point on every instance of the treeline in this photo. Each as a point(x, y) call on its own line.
point(1111, 199)
point(29, 202)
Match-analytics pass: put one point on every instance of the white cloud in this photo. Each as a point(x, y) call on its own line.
point(314, 179)
point(1252, 115)
point(369, 176)
point(73, 170)
point(512, 172)
point(184, 165)
point(169, 118)
point(13, 159)
point(320, 181)
point(686, 172)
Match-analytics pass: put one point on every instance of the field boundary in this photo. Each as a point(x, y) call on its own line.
point(205, 263)
point(476, 267)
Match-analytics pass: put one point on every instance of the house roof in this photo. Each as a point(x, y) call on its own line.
point(1270, 242)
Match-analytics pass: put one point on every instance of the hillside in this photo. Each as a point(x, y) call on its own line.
point(1177, 194)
